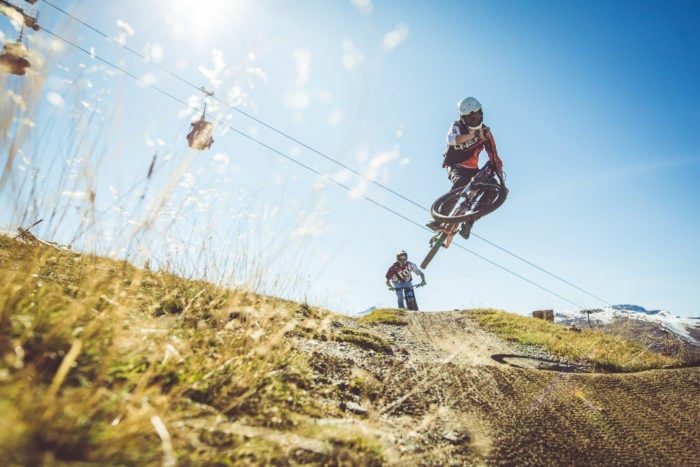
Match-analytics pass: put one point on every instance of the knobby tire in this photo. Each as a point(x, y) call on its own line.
point(499, 193)
point(411, 303)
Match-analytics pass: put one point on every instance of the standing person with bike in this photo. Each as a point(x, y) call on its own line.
point(466, 138)
point(400, 276)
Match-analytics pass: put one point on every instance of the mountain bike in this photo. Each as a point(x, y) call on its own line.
point(410, 297)
point(485, 193)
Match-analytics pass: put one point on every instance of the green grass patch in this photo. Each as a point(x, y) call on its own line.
point(386, 316)
point(602, 351)
point(364, 339)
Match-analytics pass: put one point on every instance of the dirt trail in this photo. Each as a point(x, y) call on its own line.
point(446, 398)
point(456, 335)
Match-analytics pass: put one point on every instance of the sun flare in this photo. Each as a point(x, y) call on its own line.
point(201, 20)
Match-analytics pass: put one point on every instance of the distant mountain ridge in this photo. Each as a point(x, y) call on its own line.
point(641, 309)
point(637, 321)
point(638, 309)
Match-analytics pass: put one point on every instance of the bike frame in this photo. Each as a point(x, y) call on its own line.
point(466, 201)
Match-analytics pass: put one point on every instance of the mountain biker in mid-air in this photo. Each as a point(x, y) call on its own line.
point(466, 138)
point(400, 275)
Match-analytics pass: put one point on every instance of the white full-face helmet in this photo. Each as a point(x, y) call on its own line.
point(470, 112)
point(401, 255)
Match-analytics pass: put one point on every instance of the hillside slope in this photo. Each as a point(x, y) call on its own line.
point(104, 363)
point(655, 329)
point(444, 397)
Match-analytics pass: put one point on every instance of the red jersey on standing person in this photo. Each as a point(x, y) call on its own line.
point(401, 271)
point(400, 275)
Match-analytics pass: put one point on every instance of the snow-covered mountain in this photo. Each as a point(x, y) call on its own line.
point(687, 329)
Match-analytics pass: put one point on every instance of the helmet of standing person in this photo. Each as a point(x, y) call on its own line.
point(471, 112)
point(401, 255)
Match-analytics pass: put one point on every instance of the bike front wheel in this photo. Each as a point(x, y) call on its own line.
point(411, 303)
point(455, 207)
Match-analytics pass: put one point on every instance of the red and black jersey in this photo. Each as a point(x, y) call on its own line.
point(467, 153)
point(402, 272)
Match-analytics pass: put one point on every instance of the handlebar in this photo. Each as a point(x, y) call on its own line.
point(391, 287)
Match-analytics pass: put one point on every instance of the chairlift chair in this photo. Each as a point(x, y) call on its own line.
point(200, 136)
point(14, 58)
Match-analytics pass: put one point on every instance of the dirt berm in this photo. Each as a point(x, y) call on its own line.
point(449, 393)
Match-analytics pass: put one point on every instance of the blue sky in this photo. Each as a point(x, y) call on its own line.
point(593, 106)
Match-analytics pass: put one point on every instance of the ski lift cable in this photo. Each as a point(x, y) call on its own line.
point(118, 68)
point(402, 216)
point(311, 169)
point(242, 112)
point(306, 166)
point(316, 151)
point(529, 263)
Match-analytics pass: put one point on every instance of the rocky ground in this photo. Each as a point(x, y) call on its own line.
point(432, 389)
point(449, 393)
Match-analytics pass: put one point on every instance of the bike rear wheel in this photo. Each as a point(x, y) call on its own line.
point(439, 241)
point(486, 198)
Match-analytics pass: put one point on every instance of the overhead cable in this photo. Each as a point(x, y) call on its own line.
point(317, 172)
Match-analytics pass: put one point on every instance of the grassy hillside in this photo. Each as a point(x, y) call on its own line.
point(99, 359)
point(603, 352)
point(102, 362)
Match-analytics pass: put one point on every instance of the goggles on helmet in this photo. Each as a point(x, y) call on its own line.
point(473, 119)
